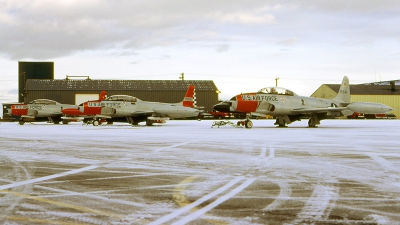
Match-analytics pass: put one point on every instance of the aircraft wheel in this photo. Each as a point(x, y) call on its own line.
point(21, 122)
point(248, 124)
point(96, 123)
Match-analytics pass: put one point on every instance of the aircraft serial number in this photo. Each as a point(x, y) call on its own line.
point(103, 104)
point(271, 98)
point(27, 107)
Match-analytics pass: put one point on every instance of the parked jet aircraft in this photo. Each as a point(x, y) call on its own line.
point(134, 110)
point(288, 107)
point(40, 110)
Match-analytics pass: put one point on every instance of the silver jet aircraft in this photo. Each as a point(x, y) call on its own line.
point(40, 110)
point(288, 107)
point(133, 110)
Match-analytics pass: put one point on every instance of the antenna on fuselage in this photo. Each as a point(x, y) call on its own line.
point(276, 81)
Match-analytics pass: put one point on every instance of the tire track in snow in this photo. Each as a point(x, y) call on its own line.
point(246, 150)
point(92, 196)
point(383, 162)
point(263, 153)
point(197, 202)
point(284, 194)
point(172, 146)
point(62, 204)
point(10, 199)
point(27, 182)
point(16, 184)
point(317, 204)
point(214, 204)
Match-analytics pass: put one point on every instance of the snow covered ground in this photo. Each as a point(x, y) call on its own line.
point(185, 172)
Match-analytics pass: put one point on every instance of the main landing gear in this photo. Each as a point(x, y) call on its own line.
point(281, 121)
point(313, 121)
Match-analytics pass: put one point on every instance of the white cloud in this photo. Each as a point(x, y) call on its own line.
point(288, 41)
point(248, 18)
point(255, 41)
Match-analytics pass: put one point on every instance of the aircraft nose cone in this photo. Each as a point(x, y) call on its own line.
point(223, 107)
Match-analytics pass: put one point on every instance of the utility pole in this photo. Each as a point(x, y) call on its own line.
point(276, 81)
point(182, 77)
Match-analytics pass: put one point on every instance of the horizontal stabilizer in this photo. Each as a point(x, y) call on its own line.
point(369, 107)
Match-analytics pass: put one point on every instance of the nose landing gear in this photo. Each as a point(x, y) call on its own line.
point(246, 123)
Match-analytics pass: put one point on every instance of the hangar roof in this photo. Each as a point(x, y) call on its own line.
point(88, 84)
point(363, 89)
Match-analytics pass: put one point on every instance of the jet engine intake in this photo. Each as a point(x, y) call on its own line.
point(271, 107)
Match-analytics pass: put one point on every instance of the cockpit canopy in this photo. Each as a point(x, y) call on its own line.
point(44, 102)
point(126, 98)
point(276, 91)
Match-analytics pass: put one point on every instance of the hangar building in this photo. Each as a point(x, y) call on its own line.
point(76, 91)
point(386, 92)
point(36, 81)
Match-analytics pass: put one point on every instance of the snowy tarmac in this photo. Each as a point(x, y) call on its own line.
point(185, 172)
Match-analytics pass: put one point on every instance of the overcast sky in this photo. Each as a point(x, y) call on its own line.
point(241, 45)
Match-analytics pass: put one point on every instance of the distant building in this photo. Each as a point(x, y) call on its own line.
point(76, 91)
point(386, 92)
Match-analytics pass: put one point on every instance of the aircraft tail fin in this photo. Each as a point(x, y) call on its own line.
point(103, 95)
point(190, 97)
point(344, 91)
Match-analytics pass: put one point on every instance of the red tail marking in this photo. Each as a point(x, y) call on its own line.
point(189, 100)
point(103, 95)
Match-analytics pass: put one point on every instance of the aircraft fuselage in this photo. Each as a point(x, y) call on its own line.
point(275, 104)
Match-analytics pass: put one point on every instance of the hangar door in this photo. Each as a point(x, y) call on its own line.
point(79, 98)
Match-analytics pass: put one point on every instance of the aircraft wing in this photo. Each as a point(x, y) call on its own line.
point(258, 114)
point(25, 116)
point(141, 113)
point(103, 116)
point(318, 110)
point(56, 114)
